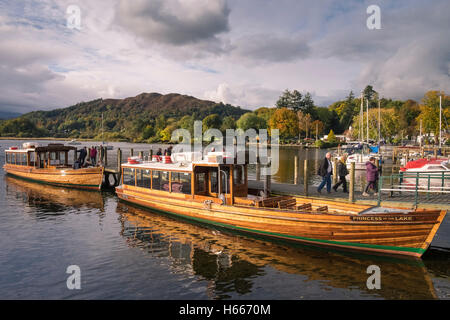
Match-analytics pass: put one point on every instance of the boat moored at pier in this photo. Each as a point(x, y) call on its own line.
point(215, 193)
point(50, 165)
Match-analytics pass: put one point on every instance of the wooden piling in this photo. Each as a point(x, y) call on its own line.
point(305, 177)
point(105, 149)
point(141, 155)
point(296, 170)
point(119, 164)
point(258, 171)
point(131, 152)
point(351, 191)
point(335, 173)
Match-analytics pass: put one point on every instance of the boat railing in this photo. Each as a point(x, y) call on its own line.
point(418, 183)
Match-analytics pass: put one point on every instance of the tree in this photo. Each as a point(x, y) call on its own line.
point(331, 137)
point(286, 121)
point(228, 123)
point(369, 93)
point(304, 123)
point(317, 128)
point(212, 121)
point(251, 121)
point(296, 101)
point(429, 112)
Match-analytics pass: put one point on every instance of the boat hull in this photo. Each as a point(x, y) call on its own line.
point(88, 178)
point(398, 234)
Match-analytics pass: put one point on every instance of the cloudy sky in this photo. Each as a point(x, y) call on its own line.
point(242, 52)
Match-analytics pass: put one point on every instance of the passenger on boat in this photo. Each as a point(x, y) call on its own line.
point(342, 172)
point(326, 171)
point(93, 155)
point(169, 151)
point(82, 157)
point(159, 152)
point(371, 176)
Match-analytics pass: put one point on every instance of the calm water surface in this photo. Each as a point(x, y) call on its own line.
point(125, 252)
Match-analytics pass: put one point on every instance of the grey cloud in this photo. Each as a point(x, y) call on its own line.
point(272, 48)
point(174, 22)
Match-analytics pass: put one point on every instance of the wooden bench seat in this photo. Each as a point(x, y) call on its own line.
point(287, 204)
point(322, 209)
point(304, 207)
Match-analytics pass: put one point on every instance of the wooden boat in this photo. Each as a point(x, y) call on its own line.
point(50, 165)
point(194, 191)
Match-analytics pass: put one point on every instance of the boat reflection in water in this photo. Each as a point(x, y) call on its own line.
point(231, 263)
point(53, 200)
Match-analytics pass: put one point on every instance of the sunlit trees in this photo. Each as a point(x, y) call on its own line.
point(286, 121)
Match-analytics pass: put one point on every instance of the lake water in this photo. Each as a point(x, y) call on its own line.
point(126, 252)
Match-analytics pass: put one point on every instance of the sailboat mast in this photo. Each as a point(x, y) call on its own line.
point(379, 121)
point(361, 119)
point(367, 103)
point(440, 121)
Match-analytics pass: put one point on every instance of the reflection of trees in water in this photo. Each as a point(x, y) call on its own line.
point(232, 262)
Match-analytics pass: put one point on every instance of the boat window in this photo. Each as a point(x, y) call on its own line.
point(128, 176)
point(437, 168)
point(200, 182)
point(143, 178)
point(214, 181)
point(160, 180)
point(225, 186)
point(156, 180)
point(238, 175)
point(181, 182)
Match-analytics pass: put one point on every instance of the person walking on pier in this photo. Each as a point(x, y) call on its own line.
point(372, 177)
point(326, 171)
point(342, 172)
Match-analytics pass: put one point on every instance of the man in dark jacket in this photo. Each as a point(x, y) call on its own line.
point(371, 176)
point(83, 154)
point(342, 172)
point(326, 171)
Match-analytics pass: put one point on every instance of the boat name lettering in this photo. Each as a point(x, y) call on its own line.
point(378, 218)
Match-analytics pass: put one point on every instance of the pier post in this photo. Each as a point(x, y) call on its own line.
point(296, 170)
point(131, 152)
point(305, 177)
point(258, 170)
point(351, 190)
point(119, 164)
point(75, 152)
point(151, 155)
point(335, 173)
point(422, 152)
point(106, 156)
point(267, 181)
point(141, 155)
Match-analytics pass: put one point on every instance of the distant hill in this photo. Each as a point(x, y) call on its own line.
point(124, 119)
point(4, 115)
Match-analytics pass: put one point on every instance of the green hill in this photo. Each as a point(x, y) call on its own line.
point(147, 117)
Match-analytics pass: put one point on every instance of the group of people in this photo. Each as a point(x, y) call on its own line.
point(167, 152)
point(91, 156)
point(326, 171)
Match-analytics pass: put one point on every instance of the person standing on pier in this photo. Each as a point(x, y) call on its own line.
point(326, 171)
point(83, 154)
point(93, 155)
point(342, 172)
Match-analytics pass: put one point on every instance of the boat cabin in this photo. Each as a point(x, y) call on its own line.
point(51, 156)
point(198, 180)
